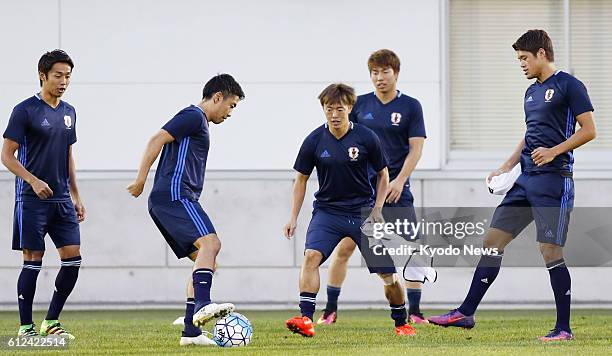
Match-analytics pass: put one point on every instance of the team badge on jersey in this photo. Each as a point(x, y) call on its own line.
point(549, 94)
point(353, 153)
point(396, 118)
point(68, 121)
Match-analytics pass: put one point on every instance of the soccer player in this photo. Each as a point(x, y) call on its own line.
point(544, 192)
point(397, 119)
point(342, 152)
point(43, 129)
point(173, 202)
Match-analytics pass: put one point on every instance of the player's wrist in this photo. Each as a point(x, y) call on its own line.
point(31, 180)
point(402, 178)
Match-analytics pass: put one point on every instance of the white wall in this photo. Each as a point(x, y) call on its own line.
point(127, 261)
point(139, 62)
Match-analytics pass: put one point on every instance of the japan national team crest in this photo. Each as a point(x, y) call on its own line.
point(549, 94)
point(68, 121)
point(396, 118)
point(353, 153)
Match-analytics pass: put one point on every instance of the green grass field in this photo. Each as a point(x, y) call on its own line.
point(365, 332)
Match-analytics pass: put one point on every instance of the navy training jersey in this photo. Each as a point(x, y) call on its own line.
point(394, 123)
point(181, 168)
point(342, 167)
point(551, 108)
point(44, 135)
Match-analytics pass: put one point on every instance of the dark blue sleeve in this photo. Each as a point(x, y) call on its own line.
point(183, 124)
point(17, 125)
point(578, 98)
point(73, 135)
point(416, 124)
point(376, 156)
point(353, 115)
point(305, 161)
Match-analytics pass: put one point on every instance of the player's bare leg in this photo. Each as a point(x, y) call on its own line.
point(309, 286)
point(208, 248)
point(336, 276)
point(394, 292)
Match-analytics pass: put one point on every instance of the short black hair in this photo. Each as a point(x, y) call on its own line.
point(532, 40)
point(47, 60)
point(224, 83)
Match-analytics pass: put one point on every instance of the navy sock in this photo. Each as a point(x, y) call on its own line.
point(64, 284)
point(26, 287)
point(308, 302)
point(189, 329)
point(561, 284)
point(332, 298)
point(398, 314)
point(414, 300)
point(486, 272)
point(202, 281)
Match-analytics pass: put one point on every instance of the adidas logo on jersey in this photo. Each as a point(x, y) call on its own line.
point(45, 123)
point(549, 234)
point(368, 116)
point(529, 99)
point(569, 292)
point(325, 154)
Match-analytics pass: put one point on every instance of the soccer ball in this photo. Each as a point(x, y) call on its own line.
point(233, 330)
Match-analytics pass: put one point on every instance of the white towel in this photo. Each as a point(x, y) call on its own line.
point(501, 184)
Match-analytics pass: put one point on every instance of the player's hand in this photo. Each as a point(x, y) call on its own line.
point(136, 188)
point(543, 155)
point(495, 173)
point(41, 189)
point(289, 229)
point(80, 210)
point(394, 190)
point(375, 216)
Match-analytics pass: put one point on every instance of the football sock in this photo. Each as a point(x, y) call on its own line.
point(26, 286)
point(64, 284)
point(486, 272)
point(189, 329)
point(307, 304)
point(332, 298)
point(414, 300)
point(561, 284)
point(202, 281)
point(398, 314)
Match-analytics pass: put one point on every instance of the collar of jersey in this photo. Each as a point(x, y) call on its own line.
point(199, 108)
point(399, 93)
point(351, 126)
point(555, 73)
point(203, 113)
point(37, 95)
